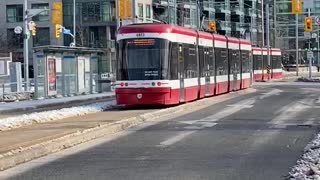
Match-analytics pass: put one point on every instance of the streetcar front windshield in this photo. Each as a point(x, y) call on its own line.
point(142, 59)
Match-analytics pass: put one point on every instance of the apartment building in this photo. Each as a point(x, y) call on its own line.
point(236, 18)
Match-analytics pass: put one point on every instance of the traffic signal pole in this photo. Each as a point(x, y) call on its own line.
point(268, 40)
point(297, 46)
point(74, 23)
point(26, 46)
point(310, 59)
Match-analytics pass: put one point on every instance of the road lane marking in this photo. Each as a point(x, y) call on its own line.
point(291, 111)
point(176, 138)
point(208, 121)
point(273, 92)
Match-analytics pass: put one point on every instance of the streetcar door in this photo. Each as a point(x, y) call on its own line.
point(206, 70)
point(181, 72)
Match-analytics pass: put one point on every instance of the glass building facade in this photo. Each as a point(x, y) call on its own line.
point(236, 18)
point(286, 32)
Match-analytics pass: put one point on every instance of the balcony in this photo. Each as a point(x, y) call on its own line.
point(238, 10)
point(103, 43)
point(250, 12)
point(209, 6)
point(238, 26)
point(222, 8)
point(224, 25)
point(259, 27)
point(188, 22)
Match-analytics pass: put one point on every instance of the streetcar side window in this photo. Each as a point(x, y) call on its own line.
point(190, 63)
point(245, 61)
point(257, 62)
point(174, 61)
point(221, 61)
point(276, 62)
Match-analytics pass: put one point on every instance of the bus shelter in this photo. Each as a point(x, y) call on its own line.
point(70, 71)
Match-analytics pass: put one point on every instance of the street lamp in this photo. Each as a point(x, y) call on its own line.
point(28, 13)
point(74, 22)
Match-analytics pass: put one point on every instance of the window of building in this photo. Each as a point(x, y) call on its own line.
point(42, 37)
point(140, 10)
point(148, 11)
point(14, 40)
point(43, 16)
point(14, 13)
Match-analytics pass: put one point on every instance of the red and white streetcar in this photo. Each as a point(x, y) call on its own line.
point(162, 64)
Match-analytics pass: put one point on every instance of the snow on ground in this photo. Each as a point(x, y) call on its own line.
point(308, 166)
point(45, 116)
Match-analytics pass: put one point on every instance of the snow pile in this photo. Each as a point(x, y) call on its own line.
point(40, 117)
point(308, 167)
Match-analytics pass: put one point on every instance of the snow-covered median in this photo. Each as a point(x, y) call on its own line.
point(308, 166)
point(40, 117)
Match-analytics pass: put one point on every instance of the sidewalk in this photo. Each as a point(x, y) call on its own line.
point(23, 107)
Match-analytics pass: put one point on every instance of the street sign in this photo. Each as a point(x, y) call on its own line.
point(66, 31)
point(314, 35)
point(309, 55)
point(18, 30)
point(318, 20)
point(28, 35)
point(307, 4)
point(307, 35)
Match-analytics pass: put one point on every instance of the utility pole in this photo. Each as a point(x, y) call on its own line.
point(198, 15)
point(262, 21)
point(297, 46)
point(297, 9)
point(318, 46)
point(74, 23)
point(310, 59)
point(26, 46)
point(268, 39)
point(275, 24)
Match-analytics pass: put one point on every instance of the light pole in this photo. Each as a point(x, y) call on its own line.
point(268, 39)
point(74, 23)
point(28, 13)
point(26, 46)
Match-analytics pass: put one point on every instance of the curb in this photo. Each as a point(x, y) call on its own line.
point(24, 154)
point(64, 104)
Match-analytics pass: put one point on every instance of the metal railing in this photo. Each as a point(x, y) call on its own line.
point(224, 25)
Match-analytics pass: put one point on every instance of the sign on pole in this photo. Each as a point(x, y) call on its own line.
point(18, 30)
point(57, 13)
point(307, 4)
point(318, 20)
point(309, 55)
point(307, 35)
point(296, 6)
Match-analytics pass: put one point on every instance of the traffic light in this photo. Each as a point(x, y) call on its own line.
point(58, 31)
point(33, 28)
point(308, 24)
point(212, 26)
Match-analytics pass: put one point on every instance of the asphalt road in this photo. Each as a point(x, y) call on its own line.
point(256, 136)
